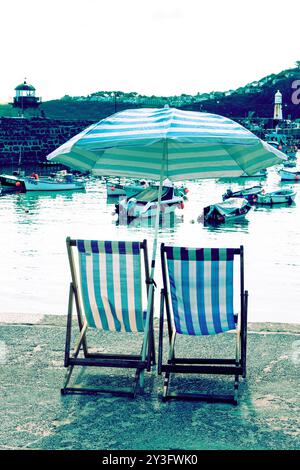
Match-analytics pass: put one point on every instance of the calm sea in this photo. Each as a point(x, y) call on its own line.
point(34, 272)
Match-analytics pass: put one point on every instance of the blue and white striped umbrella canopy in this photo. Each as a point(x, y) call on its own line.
point(193, 145)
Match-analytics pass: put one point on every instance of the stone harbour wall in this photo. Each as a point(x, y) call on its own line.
point(33, 139)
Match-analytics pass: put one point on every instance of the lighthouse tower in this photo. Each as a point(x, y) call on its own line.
point(278, 106)
point(25, 97)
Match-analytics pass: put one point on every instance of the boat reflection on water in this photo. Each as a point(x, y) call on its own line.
point(166, 221)
point(230, 227)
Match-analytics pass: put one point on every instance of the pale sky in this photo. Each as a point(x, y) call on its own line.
point(160, 47)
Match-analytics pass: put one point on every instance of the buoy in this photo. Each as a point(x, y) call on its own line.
point(181, 205)
point(18, 184)
point(186, 190)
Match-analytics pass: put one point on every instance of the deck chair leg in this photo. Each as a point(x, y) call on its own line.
point(153, 358)
point(167, 378)
point(69, 325)
point(137, 382)
point(81, 324)
point(76, 352)
point(161, 332)
point(244, 337)
point(172, 347)
point(67, 379)
point(151, 347)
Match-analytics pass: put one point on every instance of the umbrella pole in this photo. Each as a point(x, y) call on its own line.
point(151, 287)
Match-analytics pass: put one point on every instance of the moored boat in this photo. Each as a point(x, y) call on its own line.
point(12, 183)
point(115, 189)
point(144, 205)
point(286, 175)
point(247, 193)
point(259, 174)
point(67, 183)
point(58, 182)
point(231, 210)
point(281, 196)
point(290, 163)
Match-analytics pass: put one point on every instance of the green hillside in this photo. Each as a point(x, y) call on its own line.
point(256, 98)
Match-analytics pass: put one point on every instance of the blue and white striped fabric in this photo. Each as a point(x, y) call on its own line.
point(111, 284)
point(201, 287)
point(199, 145)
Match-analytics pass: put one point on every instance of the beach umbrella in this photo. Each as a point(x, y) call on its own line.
point(166, 143)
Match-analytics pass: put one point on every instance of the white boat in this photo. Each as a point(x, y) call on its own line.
point(59, 182)
point(231, 210)
point(281, 196)
point(66, 183)
point(145, 204)
point(286, 175)
point(115, 189)
point(247, 193)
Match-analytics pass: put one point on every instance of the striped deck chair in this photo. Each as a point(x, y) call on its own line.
point(107, 289)
point(198, 298)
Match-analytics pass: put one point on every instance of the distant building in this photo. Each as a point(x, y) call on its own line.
point(25, 97)
point(278, 106)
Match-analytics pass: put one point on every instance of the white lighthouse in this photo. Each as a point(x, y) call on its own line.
point(278, 106)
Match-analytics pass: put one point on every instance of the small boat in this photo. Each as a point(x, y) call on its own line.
point(290, 151)
point(290, 163)
point(115, 189)
point(60, 181)
point(57, 183)
point(286, 175)
point(231, 210)
point(144, 205)
point(247, 193)
point(132, 190)
point(12, 183)
point(275, 144)
point(281, 196)
point(259, 174)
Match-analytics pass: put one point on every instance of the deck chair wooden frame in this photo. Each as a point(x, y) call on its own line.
point(139, 362)
point(234, 366)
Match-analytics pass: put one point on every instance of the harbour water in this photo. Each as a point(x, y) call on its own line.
point(34, 271)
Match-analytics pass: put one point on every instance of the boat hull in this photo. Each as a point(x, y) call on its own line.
point(117, 190)
point(232, 210)
point(12, 183)
point(289, 175)
point(249, 193)
point(276, 197)
point(47, 185)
